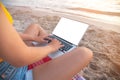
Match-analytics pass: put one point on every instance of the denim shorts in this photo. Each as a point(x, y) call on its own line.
point(9, 72)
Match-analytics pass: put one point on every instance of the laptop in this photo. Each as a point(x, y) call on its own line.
point(69, 33)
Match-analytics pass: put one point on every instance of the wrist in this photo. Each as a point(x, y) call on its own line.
point(50, 48)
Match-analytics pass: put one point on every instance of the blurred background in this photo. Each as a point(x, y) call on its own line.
point(106, 12)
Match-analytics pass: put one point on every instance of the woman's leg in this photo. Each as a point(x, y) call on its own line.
point(64, 67)
point(34, 30)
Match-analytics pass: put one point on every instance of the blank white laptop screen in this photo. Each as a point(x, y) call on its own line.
point(70, 30)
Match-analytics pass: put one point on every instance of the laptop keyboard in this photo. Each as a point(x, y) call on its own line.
point(67, 45)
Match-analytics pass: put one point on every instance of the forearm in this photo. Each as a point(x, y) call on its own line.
point(28, 55)
point(21, 55)
point(38, 53)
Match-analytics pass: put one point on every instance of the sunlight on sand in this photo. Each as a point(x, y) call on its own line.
point(103, 11)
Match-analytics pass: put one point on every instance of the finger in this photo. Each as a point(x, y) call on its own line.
point(56, 40)
point(45, 41)
point(61, 45)
point(47, 38)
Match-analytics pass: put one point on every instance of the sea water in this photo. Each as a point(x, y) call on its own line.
point(104, 11)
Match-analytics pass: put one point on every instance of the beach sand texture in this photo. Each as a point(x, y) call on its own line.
point(105, 45)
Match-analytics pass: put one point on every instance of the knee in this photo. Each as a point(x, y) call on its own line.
point(85, 52)
point(35, 26)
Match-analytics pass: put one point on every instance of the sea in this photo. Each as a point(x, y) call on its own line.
point(107, 11)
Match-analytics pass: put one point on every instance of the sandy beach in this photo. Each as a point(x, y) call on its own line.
point(105, 44)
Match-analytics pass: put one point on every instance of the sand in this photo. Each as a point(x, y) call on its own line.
point(105, 44)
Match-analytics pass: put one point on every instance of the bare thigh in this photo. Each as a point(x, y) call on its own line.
point(64, 67)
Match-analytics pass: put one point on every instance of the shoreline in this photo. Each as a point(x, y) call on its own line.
point(91, 21)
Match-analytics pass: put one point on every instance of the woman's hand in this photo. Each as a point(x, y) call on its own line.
point(42, 38)
point(55, 44)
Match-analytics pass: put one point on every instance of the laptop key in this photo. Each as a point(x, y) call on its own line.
point(66, 46)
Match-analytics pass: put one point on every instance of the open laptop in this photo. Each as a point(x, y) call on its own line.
point(69, 33)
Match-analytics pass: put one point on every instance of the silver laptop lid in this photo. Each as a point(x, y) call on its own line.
point(70, 30)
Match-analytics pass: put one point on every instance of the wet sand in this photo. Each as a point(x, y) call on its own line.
point(105, 44)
